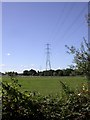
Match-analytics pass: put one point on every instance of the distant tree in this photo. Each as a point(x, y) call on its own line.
point(51, 72)
point(46, 73)
point(11, 73)
point(59, 72)
point(26, 72)
point(54, 73)
point(40, 73)
point(32, 72)
point(69, 71)
point(65, 72)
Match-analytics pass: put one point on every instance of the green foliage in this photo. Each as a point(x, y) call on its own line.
point(82, 57)
point(30, 72)
point(33, 106)
point(66, 89)
point(12, 74)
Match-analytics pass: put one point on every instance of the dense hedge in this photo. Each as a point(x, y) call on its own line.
point(33, 106)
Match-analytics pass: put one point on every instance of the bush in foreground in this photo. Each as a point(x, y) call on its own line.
point(33, 106)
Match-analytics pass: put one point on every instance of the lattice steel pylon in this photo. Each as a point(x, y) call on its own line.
point(48, 63)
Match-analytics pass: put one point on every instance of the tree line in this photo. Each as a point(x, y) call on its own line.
point(58, 72)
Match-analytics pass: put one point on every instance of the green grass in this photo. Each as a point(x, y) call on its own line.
point(48, 85)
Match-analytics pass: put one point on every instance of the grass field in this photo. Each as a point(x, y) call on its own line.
point(48, 85)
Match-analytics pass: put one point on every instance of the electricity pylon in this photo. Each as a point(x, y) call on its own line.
point(48, 64)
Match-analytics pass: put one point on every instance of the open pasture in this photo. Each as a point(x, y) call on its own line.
point(48, 85)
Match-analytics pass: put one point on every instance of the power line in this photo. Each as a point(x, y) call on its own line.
point(73, 22)
point(63, 19)
point(60, 18)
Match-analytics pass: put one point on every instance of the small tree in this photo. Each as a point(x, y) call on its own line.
point(82, 59)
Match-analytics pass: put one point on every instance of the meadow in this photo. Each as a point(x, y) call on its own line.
point(48, 85)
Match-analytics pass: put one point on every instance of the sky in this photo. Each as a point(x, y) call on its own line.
point(28, 26)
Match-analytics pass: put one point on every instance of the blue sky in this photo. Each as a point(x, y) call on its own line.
point(28, 27)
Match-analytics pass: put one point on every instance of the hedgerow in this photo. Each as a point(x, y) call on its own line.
point(33, 106)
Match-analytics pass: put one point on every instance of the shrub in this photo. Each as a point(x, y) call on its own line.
point(33, 106)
